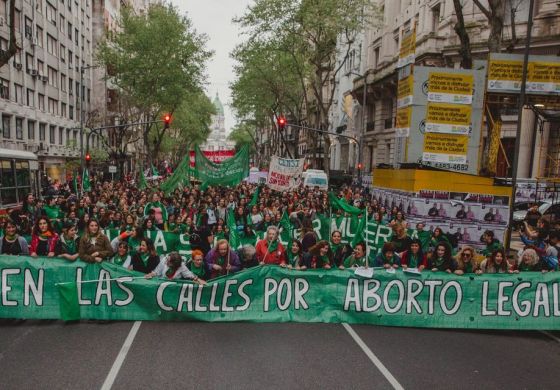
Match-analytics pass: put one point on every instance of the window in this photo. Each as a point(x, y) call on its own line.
point(28, 28)
point(83, 39)
point(30, 97)
point(51, 45)
point(71, 112)
point(31, 130)
point(63, 110)
point(88, 96)
point(63, 82)
point(53, 76)
point(51, 13)
point(41, 67)
point(60, 135)
point(62, 53)
point(62, 23)
point(6, 126)
point(29, 63)
point(436, 12)
point(39, 6)
point(19, 128)
point(42, 131)
point(41, 102)
point(52, 134)
point(376, 57)
point(69, 5)
point(70, 86)
point(67, 136)
point(3, 44)
point(4, 89)
point(19, 93)
point(70, 29)
point(76, 37)
point(70, 58)
point(39, 36)
point(53, 106)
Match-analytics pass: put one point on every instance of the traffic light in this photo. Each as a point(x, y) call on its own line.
point(88, 159)
point(281, 122)
point(360, 166)
point(166, 121)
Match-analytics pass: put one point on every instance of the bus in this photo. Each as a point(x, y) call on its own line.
point(19, 176)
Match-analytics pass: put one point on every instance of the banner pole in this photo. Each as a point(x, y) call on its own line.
point(365, 240)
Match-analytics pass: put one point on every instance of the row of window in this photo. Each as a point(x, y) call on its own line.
point(57, 135)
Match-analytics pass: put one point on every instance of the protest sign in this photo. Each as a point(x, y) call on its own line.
point(284, 173)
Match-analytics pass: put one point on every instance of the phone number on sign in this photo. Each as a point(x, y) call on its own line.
point(455, 167)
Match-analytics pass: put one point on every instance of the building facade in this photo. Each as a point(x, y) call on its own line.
point(217, 139)
point(41, 88)
point(437, 44)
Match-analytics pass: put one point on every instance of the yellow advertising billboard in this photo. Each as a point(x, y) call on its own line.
point(445, 87)
point(448, 118)
point(505, 72)
point(445, 148)
point(407, 52)
point(402, 125)
point(405, 91)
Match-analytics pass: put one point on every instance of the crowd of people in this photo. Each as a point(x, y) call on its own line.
point(65, 226)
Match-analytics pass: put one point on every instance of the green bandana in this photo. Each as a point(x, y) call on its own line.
point(198, 271)
point(335, 247)
point(70, 245)
point(293, 258)
point(272, 246)
point(119, 260)
point(144, 259)
point(413, 261)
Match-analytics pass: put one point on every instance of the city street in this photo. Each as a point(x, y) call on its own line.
point(144, 355)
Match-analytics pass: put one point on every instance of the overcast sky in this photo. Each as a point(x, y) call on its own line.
point(213, 17)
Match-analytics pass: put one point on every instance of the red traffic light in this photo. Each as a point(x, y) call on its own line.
point(88, 157)
point(166, 120)
point(360, 166)
point(281, 122)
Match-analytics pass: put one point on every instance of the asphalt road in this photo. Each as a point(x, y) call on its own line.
point(173, 355)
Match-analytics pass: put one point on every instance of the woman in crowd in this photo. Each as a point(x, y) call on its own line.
point(12, 243)
point(68, 244)
point(43, 239)
point(529, 261)
point(270, 250)
point(196, 265)
point(387, 258)
point(339, 250)
point(401, 241)
point(146, 260)
point(358, 257)
point(466, 262)
point(492, 243)
point(122, 257)
point(496, 263)
point(172, 267)
point(308, 235)
point(414, 257)
point(255, 218)
point(295, 255)
point(222, 260)
point(131, 237)
point(319, 256)
point(441, 259)
point(94, 246)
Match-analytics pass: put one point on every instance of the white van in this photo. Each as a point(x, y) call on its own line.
point(315, 178)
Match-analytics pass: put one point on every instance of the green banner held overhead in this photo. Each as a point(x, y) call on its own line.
point(229, 172)
point(46, 288)
point(341, 204)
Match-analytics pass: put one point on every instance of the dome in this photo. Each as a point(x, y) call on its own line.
point(218, 104)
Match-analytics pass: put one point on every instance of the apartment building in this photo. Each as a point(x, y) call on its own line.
point(42, 92)
point(437, 44)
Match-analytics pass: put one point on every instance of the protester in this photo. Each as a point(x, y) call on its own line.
point(122, 257)
point(465, 261)
point(43, 239)
point(388, 258)
point(68, 245)
point(496, 263)
point(414, 257)
point(442, 260)
point(270, 250)
point(172, 267)
point(222, 260)
point(295, 255)
point(247, 257)
point(196, 265)
point(12, 243)
point(146, 259)
point(339, 250)
point(94, 246)
point(358, 257)
point(319, 256)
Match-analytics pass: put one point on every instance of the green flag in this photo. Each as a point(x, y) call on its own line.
point(142, 184)
point(180, 177)
point(343, 205)
point(286, 228)
point(154, 171)
point(229, 172)
point(69, 305)
point(86, 184)
point(234, 240)
point(255, 198)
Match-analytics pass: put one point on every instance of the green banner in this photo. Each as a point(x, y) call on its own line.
point(230, 172)
point(56, 289)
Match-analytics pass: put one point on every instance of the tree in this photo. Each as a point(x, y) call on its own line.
point(12, 45)
point(157, 60)
point(243, 134)
point(311, 33)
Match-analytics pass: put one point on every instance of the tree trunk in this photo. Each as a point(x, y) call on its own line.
point(465, 50)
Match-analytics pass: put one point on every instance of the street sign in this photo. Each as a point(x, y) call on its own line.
point(112, 169)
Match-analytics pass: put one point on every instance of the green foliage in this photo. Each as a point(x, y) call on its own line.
point(243, 134)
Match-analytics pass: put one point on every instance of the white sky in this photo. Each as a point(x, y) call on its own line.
point(213, 18)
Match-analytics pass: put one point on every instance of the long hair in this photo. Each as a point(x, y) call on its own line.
point(459, 257)
point(492, 260)
point(315, 250)
point(150, 245)
point(36, 229)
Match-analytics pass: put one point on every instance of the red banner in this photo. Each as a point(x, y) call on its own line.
point(216, 156)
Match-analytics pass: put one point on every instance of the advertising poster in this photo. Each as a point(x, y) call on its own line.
point(453, 88)
point(448, 119)
point(445, 148)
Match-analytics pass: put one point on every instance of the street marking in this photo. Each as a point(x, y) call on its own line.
point(121, 356)
point(374, 359)
point(550, 335)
